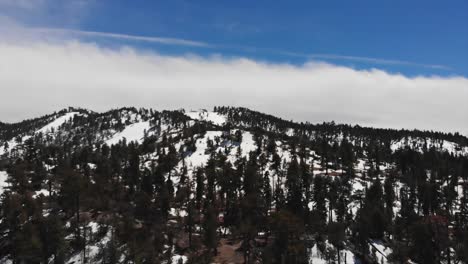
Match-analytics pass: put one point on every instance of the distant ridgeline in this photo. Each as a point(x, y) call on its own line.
point(230, 185)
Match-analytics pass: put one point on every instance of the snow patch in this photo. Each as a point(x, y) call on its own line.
point(92, 249)
point(3, 181)
point(54, 125)
point(43, 192)
point(133, 132)
point(381, 251)
point(248, 144)
point(419, 144)
point(178, 212)
point(176, 258)
point(12, 144)
point(204, 115)
point(200, 157)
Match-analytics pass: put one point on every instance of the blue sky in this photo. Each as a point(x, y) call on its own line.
point(409, 37)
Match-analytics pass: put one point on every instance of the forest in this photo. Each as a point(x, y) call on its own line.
point(228, 185)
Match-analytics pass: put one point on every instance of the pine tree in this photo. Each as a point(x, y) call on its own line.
point(294, 188)
point(210, 230)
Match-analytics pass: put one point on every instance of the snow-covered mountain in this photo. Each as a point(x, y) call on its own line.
point(245, 186)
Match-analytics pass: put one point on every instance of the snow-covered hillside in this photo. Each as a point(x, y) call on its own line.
point(207, 116)
point(134, 132)
point(420, 144)
point(143, 176)
point(55, 124)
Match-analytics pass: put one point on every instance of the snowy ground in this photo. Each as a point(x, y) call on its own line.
point(318, 257)
point(204, 115)
point(381, 251)
point(52, 126)
point(133, 132)
point(92, 249)
point(200, 156)
point(12, 144)
point(3, 183)
point(422, 143)
point(248, 144)
point(57, 123)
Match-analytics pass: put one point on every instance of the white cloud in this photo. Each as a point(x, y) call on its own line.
point(40, 77)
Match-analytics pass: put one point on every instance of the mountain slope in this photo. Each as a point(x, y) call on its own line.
point(233, 185)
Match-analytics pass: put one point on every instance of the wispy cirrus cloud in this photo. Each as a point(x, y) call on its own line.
point(118, 36)
point(377, 61)
point(72, 12)
point(241, 48)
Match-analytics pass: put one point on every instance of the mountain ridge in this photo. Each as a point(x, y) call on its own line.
point(455, 136)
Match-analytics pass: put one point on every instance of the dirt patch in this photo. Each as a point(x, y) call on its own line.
point(228, 254)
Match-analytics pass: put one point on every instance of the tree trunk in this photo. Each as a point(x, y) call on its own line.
point(84, 245)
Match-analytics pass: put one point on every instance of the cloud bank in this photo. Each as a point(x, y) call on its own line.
point(41, 77)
